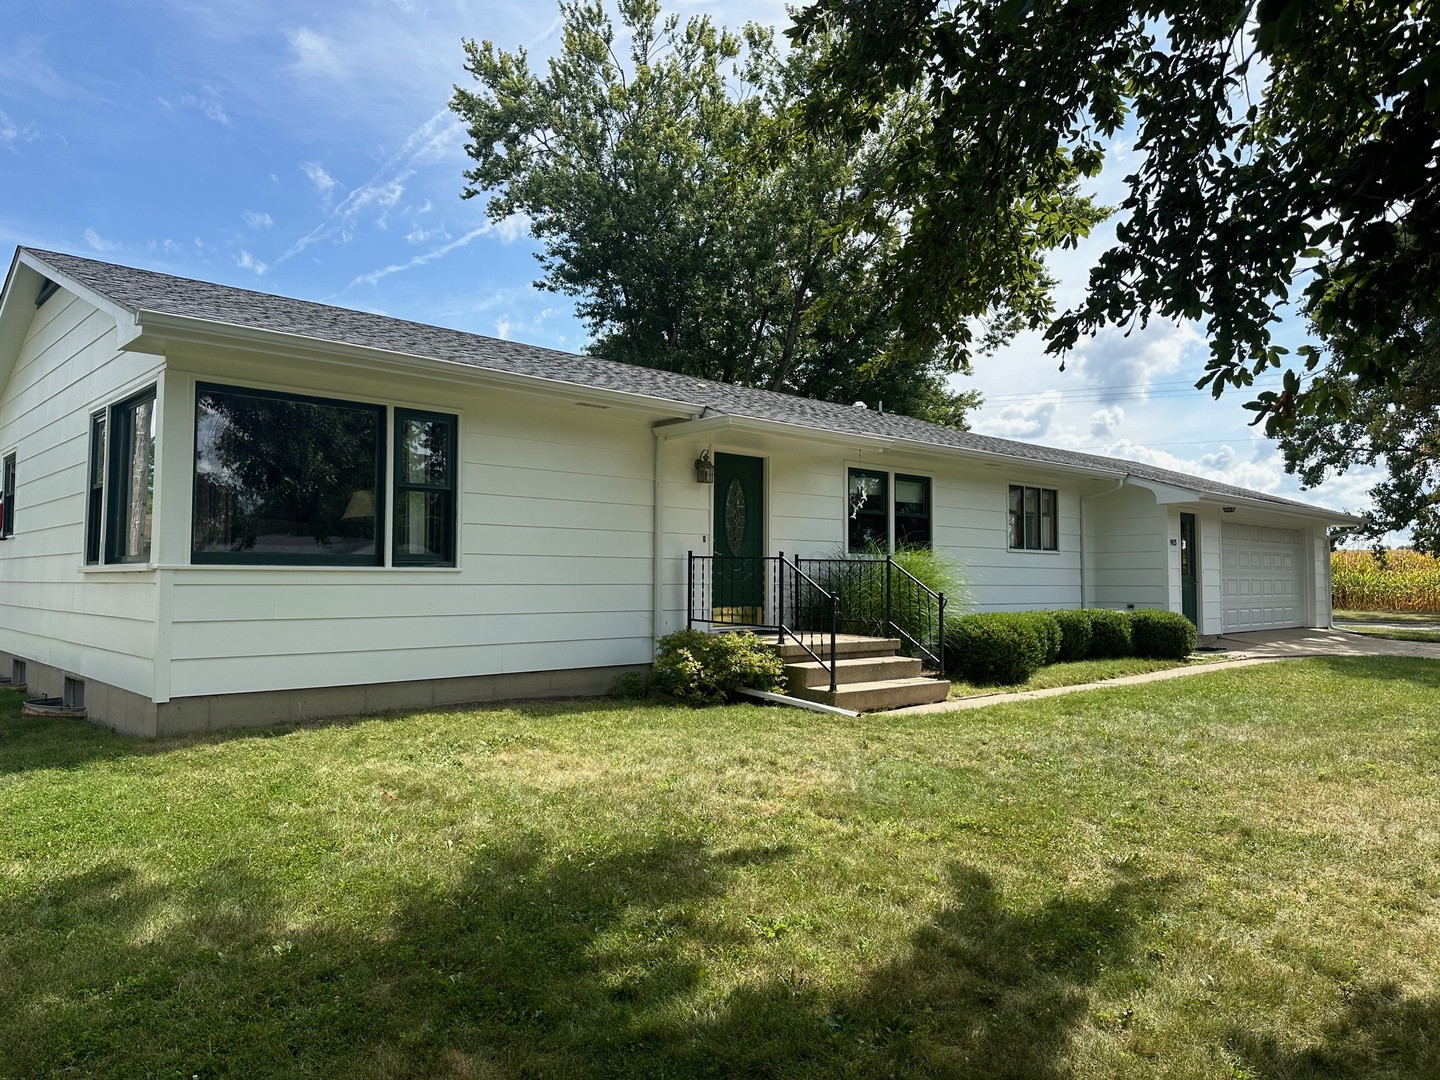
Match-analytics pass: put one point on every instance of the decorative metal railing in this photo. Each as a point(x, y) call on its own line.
point(767, 594)
point(812, 601)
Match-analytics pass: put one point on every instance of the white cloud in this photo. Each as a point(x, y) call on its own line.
point(323, 181)
point(314, 54)
point(257, 220)
point(420, 260)
point(98, 242)
point(1027, 420)
point(1104, 422)
point(512, 228)
point(502, 328)
point(246, 261)
point(207, 103)
point(11, 132)
point(1118, 366)
point(417, 235)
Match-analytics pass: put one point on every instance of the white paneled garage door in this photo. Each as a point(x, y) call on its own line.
point(1262, 574)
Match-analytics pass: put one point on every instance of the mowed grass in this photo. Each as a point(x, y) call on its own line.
point(1078, 673)
point(1231, 875)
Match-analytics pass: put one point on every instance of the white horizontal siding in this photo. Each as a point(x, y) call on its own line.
point(97, 626)
point(1129, 559)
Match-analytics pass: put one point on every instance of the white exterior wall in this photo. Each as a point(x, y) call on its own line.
point(1128, 563)
point(553, 571)
point(97, 622)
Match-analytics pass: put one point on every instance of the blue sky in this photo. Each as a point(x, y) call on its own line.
point(306, 149)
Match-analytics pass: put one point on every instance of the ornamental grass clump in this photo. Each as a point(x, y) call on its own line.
point(1109, 634)
point(1075, 634)
point(1162, 635)
point(998, 647)
point(703, 669)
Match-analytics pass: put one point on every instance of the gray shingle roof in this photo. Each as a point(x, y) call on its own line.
point(146, 290)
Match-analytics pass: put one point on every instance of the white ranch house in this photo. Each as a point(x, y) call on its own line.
point(223, 507)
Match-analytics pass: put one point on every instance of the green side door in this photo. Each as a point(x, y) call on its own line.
point(739, 539)
point(1189, 561)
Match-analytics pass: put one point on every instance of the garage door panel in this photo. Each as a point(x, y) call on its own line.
point(1260, 577)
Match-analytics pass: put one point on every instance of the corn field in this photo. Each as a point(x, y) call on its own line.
point(1406, 581)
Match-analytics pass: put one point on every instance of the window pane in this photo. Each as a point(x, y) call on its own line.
point(422, 525)
point(95, 502)
point(912, 511)
point(1032, 517)
point(7, 497)
point(284, 479)
point(1017, 517)
point(1048, 531)
point(130, 479)
point(869, 501)
point(425, 451)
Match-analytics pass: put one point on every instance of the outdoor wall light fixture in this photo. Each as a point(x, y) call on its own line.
point(704, 468)
point(1227, 509)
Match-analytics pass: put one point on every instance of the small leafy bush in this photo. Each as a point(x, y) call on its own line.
point(701, 669)
point(628, 686)
point(1005, 647)
point(1162, 635)
point(1109, 634)
point(1050, 633)
point(1075, 634)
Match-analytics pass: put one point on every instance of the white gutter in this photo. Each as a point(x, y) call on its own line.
point(1108, 491)
point(657, 550)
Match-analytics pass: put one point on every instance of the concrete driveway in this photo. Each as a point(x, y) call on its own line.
point(1291, 643)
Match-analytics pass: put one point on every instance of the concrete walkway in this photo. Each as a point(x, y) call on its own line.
point(1241, 650)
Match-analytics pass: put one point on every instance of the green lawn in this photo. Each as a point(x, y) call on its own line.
point(1417, 618)
point(1078, 674)
point(1232, 875)
point(1391, 634)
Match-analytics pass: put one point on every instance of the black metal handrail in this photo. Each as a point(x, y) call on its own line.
point(880, 598)
point(766, 594)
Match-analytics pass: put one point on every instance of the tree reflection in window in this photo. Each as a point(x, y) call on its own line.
point(286, 479)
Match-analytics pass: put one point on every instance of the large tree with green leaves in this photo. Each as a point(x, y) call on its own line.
point(701, 231)
point(1286, 150)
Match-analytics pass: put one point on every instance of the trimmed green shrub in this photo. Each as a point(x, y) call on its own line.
point(1003, 647)
point(701, 669)
point(1109, 634)
point(1162, 635)
point(1075, 634)
point(1049, 631)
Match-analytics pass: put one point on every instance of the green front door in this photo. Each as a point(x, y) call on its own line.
point(1189, 556)
point(739, 581)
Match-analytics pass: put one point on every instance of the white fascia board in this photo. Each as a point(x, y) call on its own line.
point(160, 330)
point(779, 429)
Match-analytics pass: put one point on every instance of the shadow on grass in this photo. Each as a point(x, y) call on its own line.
point(535, 964)
point(1421, 671)
point(1379, 1033)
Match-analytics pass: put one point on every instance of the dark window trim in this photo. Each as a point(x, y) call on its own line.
point(1044, 543)
point(891, 476)
point(95, 489)
point(446, 558)
point(929, 515)
point(112, 455)
point(251, 558)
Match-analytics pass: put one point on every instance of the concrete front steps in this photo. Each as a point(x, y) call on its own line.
point(869, 676)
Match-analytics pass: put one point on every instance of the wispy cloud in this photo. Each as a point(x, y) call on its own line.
point(323, 181)
point(1027, 420)
point(314, 54)
point(11, 132)
point(417, 235)
point(246, 261)
point(257, 220)
point(99, 243)
point(420, 260)
point(385, 189)
point(502, 328)
point(207, 103)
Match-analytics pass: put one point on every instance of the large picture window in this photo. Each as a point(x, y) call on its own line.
point(1034, 518)
point(424, 489)
point(284, 479)
point(130, 479)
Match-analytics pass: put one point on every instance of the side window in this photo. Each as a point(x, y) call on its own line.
point(7, 497)
point(95, 493)
point(869, 513)
point(1034, 518)
point(425, 449)
point(130, 479)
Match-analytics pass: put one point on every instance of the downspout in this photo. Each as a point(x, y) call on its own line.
point(1108, 491)
point(657, 563)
